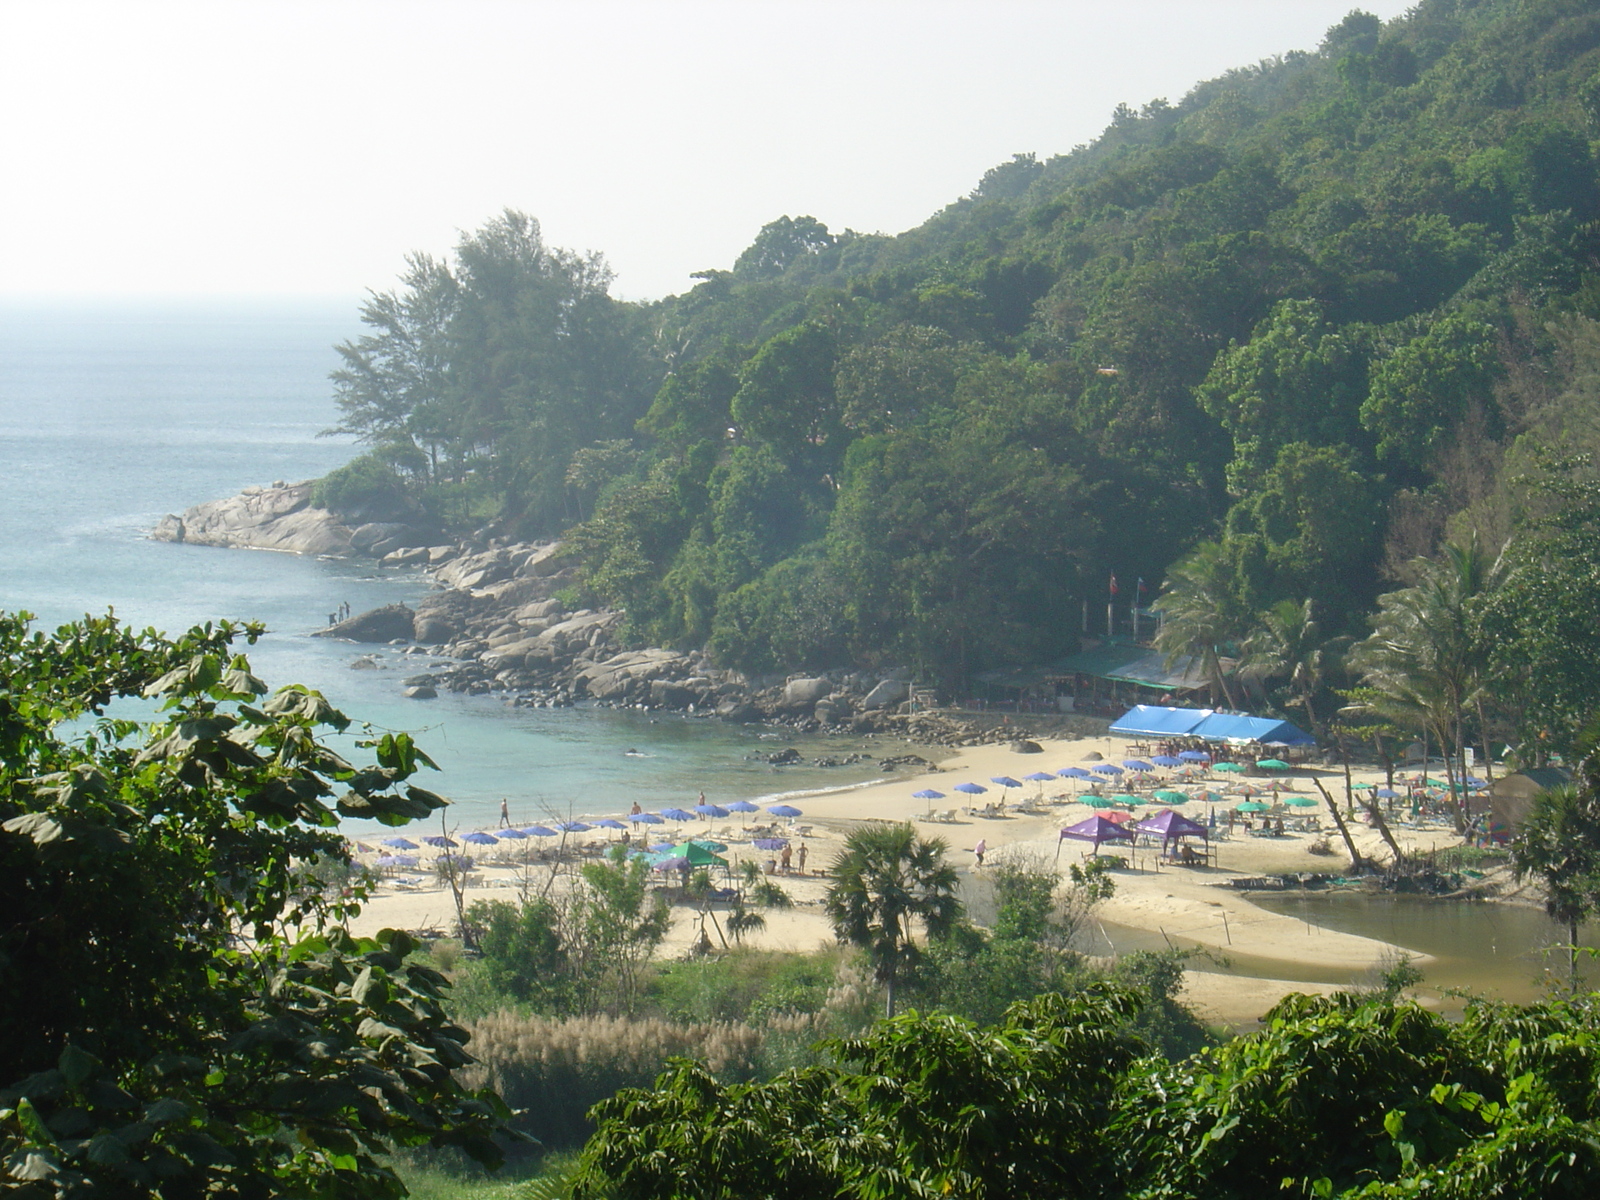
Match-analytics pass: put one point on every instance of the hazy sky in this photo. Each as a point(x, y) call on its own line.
point(284, 147)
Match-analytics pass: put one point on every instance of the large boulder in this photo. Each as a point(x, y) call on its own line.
point(434, 628)
point(470, 571)
point(387, 624)
point(279, 517)
point(798, 693)
point(886, 694)
point(380, 537)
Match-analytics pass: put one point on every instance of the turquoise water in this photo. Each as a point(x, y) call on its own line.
point(114, 413)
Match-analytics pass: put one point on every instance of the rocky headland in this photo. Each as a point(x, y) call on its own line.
point(505, 620)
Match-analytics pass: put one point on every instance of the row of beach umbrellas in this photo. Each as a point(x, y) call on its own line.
point(480, 838)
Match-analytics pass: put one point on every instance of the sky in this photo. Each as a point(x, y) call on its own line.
point(152, 147)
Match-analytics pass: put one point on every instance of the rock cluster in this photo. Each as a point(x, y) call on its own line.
point(282, 517)
point(500, 623)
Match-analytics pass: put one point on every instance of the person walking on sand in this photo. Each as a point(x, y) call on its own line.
point(635, 810)
point(980, 849)
point(801, 857)
point(505, 813)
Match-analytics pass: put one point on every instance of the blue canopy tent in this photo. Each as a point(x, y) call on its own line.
point(1153, 720)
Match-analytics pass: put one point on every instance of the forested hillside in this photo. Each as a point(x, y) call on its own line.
point(1273, 341)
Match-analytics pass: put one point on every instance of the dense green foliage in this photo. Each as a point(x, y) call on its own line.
point(183, 1013)
point(1308, 320)
point(1336, 1097)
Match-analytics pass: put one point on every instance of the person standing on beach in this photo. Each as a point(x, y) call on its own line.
point(980, 849)
point(801, 857)
point(505, 813)
point(784, 858)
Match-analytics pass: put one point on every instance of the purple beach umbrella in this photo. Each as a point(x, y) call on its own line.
point(770, 843)
point(438, 839)
point(480, 839)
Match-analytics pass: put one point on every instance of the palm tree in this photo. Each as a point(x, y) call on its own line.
point(1200, 613)
point(886, 882)
point(1289, 645)
point(1426, 662)
point(1560, 843)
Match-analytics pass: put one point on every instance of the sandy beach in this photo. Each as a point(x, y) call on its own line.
point(1190, 906)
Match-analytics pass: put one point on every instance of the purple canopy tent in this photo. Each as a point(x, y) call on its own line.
point(1172, 826)
point(1096, 829)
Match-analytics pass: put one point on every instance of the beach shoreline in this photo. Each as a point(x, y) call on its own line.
point(1187, 906)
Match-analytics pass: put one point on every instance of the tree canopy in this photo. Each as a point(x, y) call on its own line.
point(184, 1013)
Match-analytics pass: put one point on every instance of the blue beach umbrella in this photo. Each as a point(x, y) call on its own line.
point(1106, 769)
point(609, 823)
point(513, 834)
point(785, 810)
point(971, 789)
point(1040, 776)
point(397, 860)
point(574, 827)
point(677, 814)
point(1005, 781)
point(438, 839)
point(1194, 756)
point(927, 794)
point(1073, 773)
point(540, 831)
point(645, 819)
point(711, 810)
point(743, 806)
point(1167, 760)
point(1137, 764)
point(400, 843)
point(480, 839)
point(770, 843)
point(1388, 793)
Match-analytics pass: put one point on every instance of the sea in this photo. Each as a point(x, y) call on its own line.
point(116, 412)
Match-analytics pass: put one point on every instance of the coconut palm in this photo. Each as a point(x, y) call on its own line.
point(1426, 663)
point(886, 883)
point(1289, 645)
point(1200, 614)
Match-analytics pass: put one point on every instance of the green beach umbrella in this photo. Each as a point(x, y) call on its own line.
point(1250, 806)
point(1126, 799)
point(1167, 796)
point(1272, 764)
point(1228, 766)
point(1299, 801)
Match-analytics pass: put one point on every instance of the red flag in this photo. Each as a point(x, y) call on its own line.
point(1113, 583)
